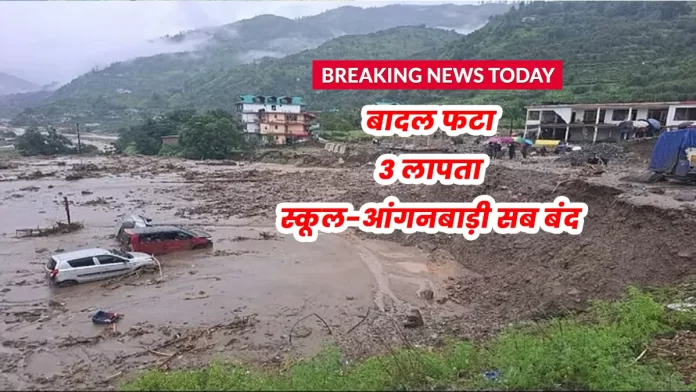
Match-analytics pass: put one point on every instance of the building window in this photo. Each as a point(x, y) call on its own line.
point(534, 115)
point(685, 114)
point(619, 115)
point(589, 117)
point(276, 127)
point(273, 107)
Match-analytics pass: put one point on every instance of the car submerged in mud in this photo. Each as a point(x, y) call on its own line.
point(160, 240)
point(88, 265)
point(138, 234)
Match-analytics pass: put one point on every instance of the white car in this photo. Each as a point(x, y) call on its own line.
point(87, 265)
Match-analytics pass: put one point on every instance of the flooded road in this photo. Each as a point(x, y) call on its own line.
point(239, 300)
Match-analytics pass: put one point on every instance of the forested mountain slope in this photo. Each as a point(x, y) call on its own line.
point(292, 75)
point(613, 51)
point(151, 84)
point(13, 104)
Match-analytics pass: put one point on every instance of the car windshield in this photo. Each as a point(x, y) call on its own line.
point(122, 253)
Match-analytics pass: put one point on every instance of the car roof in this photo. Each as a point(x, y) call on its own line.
point(153, 229)
point(79, 254)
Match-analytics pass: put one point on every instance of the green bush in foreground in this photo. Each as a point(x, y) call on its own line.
point(596, 351)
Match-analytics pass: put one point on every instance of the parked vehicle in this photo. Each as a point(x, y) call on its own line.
point(86, 265)
point(133, 221)
point(158, 240)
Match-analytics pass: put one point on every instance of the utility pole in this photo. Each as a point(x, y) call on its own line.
point(67, 208)
point(79, 145)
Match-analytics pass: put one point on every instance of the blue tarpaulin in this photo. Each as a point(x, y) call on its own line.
point(670, 149)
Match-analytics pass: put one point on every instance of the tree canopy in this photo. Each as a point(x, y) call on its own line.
point(214, 134)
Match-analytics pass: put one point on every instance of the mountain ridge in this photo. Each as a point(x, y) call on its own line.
point(11, 84)
point(145, 84)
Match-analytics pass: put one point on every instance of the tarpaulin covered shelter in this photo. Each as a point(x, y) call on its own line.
point(669, 153)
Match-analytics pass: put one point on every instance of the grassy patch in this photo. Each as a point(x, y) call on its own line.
point(346, 136)
point(598, 350)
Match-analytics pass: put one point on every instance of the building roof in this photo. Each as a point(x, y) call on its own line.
point(611, 105)
point(170, 137)
point(79, 254)
point(386, 102)
point(283, 100)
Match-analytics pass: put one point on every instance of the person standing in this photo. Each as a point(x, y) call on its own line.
point(525, 150)
point(511, 151)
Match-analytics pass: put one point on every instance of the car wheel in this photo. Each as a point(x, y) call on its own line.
point(66, 283)
point(199, 246)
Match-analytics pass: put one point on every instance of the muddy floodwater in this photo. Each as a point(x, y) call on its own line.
point(260, 297)
point(239, 300)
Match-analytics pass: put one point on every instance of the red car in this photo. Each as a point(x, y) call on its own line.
point(159, 240)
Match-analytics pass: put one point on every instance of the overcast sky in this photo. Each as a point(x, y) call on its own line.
point(46, 41)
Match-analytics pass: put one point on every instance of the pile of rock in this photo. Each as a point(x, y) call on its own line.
point(609, 152)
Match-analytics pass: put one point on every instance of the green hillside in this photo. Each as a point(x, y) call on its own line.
point(13, 104)
point(613, 51)
point(131, 89)
point(292, 75)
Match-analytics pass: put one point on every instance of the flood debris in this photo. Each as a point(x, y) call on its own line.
point(35, 175)
point(146, 269)
point(105, 318)
point(96, 202)
point(57, 229)
point(4, 165)
point(199, 295)
point(414, 320)
point(303, 330)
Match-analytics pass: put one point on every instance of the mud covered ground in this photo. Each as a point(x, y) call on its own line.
point(261, 297)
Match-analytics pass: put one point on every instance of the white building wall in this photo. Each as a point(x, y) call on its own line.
point(249, 117)
point(641, 113)
point(672, 111)
point(255, 107)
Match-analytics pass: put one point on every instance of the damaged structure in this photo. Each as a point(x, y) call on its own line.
point(274, 120)
point(597, 122)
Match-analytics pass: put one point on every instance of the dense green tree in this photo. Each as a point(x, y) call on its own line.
point(212, 135)
point(31, 143)
point(342, 121)
point(147, 137)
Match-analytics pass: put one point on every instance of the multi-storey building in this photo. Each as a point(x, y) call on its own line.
point(274, 120)
point(597, 122)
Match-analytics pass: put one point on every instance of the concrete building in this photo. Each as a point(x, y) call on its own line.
point(170, 139)
point(597, 122)
point(274, 120)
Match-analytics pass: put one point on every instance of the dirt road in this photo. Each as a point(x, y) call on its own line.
point(253, 296)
